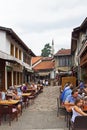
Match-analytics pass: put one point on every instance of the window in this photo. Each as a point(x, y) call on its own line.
point(16, 52)
point(60, 61)
point(20, 54)
point(67, 61)
point(12, 50)
point(64, 61)
point(26, 58)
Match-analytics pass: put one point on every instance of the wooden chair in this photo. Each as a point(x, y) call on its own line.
point(0, 114)
point(25, 101)
point(60, 107)
point(80, 123)
point(40, 88)
point(8, 110)
point(32, 97)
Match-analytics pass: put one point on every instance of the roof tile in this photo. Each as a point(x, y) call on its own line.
point(63, 52)
point(44, 65)
point(36, 59)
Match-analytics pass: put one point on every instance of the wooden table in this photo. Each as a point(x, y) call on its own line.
point(8, 102)
point(31, 90)
point(26, 94)
point(8, 107)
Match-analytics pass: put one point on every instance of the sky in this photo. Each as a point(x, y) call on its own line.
point(38, 22)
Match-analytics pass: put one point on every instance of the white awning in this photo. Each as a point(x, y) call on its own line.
point(12, 59)
point(9, 58)
point(43, 73)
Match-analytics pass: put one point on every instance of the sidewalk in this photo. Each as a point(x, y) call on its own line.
point(40, 115)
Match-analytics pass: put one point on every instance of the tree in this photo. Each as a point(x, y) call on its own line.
point(46, 51)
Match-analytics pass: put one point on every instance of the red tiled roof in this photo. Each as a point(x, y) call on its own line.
point(36, 59)
point(47, 58)
point(63, 52)
point(45, 65)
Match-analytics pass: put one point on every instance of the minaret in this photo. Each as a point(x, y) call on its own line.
point(52, 48)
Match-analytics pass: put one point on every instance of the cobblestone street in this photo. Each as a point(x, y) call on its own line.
point(40, 115)
point(46, 101)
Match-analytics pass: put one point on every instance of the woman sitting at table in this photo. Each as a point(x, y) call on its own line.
point(77, 109)
point(83, 92)
point(3, 95)
point(17, 96)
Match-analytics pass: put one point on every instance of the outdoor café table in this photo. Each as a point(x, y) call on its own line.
point(8, 107)
point(8, 102)
point(26, 94)
point(31, 90)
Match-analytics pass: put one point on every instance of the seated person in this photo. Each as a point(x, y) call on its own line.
point(77, 109)
point(81, 85)
point(34, 86)
point(3, 95)
point(63, 91)
point(46, 82)
point(66, 85)
point(70, 100)
point(83, 92)
point(24, 88)
point(17, 96)
point(67, 91)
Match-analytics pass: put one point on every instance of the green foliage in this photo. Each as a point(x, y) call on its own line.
point(46, 51)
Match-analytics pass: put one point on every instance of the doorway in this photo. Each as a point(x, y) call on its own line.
point(9, 79)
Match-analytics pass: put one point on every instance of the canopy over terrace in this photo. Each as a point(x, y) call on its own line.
point(44, 73)
point(12, 59)
point(9, 58)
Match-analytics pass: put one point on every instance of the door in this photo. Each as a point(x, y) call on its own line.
point(9, 79)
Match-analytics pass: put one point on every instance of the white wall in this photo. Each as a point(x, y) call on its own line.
point(4, 43)
point(76, 57)
point(52, 75)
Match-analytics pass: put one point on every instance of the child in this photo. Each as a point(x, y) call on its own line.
point(77, 109)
